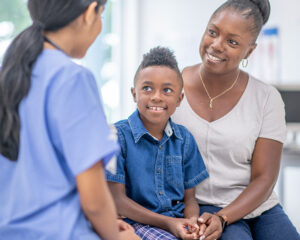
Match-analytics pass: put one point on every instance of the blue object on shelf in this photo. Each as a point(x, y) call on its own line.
point(270, 31)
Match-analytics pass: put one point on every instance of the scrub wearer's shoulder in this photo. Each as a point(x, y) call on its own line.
point(58, 70)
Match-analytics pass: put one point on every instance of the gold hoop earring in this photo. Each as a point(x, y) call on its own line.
point(245, 62)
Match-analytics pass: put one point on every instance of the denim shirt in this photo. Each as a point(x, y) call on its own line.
point(156, 173)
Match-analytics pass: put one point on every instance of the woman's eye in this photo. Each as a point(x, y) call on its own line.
point(168, 90)
point(211, 32)
point(233, 42)
point(147, 88)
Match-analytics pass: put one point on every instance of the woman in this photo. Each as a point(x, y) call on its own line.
point(53, 132)
point(238, 123)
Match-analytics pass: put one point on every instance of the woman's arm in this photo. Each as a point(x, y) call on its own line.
point(265, 168)
point(97, 203)
point(134, 211)
point(264, 172)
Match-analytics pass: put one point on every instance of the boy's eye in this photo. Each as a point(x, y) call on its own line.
point(233, 42)
point(147, 88)
point(168, 90)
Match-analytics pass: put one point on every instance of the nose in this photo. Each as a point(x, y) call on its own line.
point(218, 44)
point(156, 96)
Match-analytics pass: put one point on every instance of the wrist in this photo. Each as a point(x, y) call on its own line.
point(223, 219)
point(168, 223)
point(170, 226)
point(193, 219)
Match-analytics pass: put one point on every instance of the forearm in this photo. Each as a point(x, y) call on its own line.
point(191, 209)
point(97, 203)
point(251, 198)
point(104, 219)
point(264, 173)
point(134, 211)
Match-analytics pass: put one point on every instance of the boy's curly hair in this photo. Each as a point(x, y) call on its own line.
point(159, 56)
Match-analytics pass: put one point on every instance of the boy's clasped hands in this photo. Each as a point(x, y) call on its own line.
point(195, 228)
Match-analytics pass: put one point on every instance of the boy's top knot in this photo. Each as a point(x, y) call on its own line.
point(159, 56)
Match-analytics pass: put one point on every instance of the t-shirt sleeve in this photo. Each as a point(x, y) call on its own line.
point(194, 168)
point(273, 122)
point(119, 175)
point(77, 123)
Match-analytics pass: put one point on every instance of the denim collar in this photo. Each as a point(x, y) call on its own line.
point(138, 129)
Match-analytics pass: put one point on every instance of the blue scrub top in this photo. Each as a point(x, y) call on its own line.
point(63, 133)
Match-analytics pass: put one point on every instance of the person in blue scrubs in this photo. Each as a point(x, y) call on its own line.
point(54, 139)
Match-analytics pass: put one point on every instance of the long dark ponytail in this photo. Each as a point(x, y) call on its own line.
point(15, 74)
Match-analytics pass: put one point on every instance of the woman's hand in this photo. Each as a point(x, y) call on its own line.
point(213, 229)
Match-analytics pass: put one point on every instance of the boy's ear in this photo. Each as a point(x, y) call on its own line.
point(133, 94)
point(181, 96)
point(90, 13)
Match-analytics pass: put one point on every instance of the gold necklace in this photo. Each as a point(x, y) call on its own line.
point(211, 99)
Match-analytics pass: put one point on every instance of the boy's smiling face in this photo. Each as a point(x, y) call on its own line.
point(157, 92)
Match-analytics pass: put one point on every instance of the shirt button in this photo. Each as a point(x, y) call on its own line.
point(160, 193)
point(160, 147)
point(158, 170)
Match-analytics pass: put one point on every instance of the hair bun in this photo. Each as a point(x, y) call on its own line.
point(264, 8)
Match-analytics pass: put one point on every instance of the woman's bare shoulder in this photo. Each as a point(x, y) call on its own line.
point(191, 69)
point(189, 74)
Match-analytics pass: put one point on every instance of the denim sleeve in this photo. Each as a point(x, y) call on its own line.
point(194, 168)
point(119, 176)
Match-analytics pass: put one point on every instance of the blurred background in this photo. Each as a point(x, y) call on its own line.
point(132, 27)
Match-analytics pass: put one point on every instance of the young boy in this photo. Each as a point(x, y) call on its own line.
point(159, 164)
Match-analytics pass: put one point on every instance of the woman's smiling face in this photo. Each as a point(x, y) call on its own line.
point(226, 41)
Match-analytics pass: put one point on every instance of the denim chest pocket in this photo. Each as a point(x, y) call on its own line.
point(174, 170)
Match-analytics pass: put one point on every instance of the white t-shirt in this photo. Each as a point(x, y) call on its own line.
point(227, 144)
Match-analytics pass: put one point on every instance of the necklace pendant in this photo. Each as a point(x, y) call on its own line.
point(210, 103)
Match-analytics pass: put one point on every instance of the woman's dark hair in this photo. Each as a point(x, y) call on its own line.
point(159, 56)
point(257, 10)
point(47, 15)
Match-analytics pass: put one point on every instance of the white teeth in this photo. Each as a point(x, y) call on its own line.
point(213, 58)
point(156, 108)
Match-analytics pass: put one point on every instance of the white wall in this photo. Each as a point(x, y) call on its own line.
point(177, 24)
point(286, 15)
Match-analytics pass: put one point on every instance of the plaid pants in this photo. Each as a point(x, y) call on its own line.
point(146, 232)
